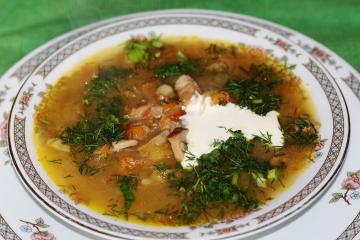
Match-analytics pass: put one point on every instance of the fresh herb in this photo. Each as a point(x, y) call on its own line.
point(301, 132)
point(56, 161)
point(180, 56)
point(107, 79)
point(263, 72)
point(141, 50)
point(90, 133)
point(274, 174)
point(112, 106)
point(86, 169)
point(257, 96)
point(170, 71)
point(264, 138)
point(215, 49)
point(214, 183)
point(127, 185)
point(161, 167)
point(44, 121)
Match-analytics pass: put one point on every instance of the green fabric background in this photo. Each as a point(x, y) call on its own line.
point(27, 24)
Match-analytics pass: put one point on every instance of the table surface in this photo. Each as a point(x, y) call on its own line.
point(28, 24)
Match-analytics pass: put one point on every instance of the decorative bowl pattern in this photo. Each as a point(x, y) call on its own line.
point(329, 103)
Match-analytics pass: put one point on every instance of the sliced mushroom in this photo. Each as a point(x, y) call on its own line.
point(57, 144)
point(140, 112)
point(157, 148)
point(161, 138)
point(119, 145)
point(186, 87)
point(137, 132)
point(165, 91)
point(158, 140)
point(177, 141)
point(156, 111)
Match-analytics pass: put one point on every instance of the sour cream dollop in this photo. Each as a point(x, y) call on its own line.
point(207, 123)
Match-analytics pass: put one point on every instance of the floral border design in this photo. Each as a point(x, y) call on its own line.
point(21, 150)
point(77, 45)
point(351, 185)
point(37, 229)
point(352, 230)
point(287, 47)
point(336, 142)
point(6, 231)
point(123, 27)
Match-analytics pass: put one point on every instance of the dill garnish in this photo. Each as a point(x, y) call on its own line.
point(257, 96)
point(56, 161)
point(90, 133)
point(214, 183)
point(160, 167)
point(127, 186)
point(108, 78)
point(170, 71)
point(301, 132)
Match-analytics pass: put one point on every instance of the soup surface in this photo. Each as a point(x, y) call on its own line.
point(113, 133)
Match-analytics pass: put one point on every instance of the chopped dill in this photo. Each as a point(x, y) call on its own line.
point(170, 71)
point(44, 121)
point(264, 138)
point(56, 161)
point(90, 133)
point(161, 167)
point(86, 169)
point(214, 183)
point(301, 132)
point(127, 186)
point(105, 81)
point(257, 96)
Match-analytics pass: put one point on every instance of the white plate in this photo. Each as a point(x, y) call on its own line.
point(222, 232)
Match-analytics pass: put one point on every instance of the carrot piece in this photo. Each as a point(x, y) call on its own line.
point(136, 132)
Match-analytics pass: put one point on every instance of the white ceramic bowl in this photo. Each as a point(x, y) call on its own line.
point(330, 106)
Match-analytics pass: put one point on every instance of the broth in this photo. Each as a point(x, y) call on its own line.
point(99, 177)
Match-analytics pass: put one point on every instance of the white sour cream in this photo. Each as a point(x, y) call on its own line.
point(207, 123)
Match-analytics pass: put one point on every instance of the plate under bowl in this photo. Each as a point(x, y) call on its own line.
point(330, 105)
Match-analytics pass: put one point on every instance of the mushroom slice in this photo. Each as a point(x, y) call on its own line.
point(186, 87)
point(57, 144)
point(119, 145)
point(177, 141)
point(139, 112)
point(166, 91)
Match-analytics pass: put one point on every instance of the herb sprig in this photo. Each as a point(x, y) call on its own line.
point(301, 132)
point(127, 186)
point(108, 78)
point(90, 133)
point(257, 96)
point(170, 71)
point(140, 50)
point(214, 183)
point(105, 123)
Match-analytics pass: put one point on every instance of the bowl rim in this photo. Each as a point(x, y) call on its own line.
point(149, 14)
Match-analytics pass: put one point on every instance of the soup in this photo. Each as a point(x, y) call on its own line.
point(176, 130)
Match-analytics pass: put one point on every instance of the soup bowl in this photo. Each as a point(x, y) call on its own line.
point(329, 104)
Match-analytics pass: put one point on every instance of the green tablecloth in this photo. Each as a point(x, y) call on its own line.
point(27, 24)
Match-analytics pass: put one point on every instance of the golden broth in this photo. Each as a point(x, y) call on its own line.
point(62, 107)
